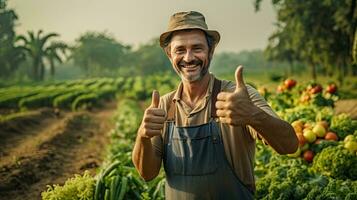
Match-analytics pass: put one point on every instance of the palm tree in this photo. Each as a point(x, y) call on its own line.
point(38, 49)
point(53, 54)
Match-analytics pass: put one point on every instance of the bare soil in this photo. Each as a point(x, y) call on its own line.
point(47, 148)
point(347, 106)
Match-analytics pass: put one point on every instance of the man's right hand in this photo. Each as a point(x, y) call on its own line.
point(154, 118)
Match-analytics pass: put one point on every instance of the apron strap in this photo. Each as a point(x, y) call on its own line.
point(171, 110)
point(215, 91)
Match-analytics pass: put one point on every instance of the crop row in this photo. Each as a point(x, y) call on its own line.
point(81, 93)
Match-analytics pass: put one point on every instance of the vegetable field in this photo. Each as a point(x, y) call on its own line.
point(82, 134)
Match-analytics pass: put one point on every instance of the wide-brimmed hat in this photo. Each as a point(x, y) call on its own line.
point(188, 20)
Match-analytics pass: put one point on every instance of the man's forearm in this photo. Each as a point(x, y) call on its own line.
point(278, 133)
point(146, 162)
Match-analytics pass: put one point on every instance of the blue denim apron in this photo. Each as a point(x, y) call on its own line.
point(196, 166)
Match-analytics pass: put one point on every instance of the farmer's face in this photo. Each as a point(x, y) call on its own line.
point(189, 54)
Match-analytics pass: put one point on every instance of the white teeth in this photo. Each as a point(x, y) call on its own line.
point(190, 66)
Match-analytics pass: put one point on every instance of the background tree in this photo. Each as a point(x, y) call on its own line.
point(39, 48)
point(10, 55)
point(149, 58)
point(53, 54)
point(98, 53)
point(316, 32)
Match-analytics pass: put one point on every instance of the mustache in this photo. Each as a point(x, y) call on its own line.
point(193, 62)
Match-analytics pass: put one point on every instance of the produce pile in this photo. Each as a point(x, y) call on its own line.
point(325, 164)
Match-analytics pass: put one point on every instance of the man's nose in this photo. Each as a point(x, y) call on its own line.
point(188, 56)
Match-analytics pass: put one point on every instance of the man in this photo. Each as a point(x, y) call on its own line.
point(204, 132)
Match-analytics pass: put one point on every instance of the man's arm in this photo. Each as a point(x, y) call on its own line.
point(279, 134)
point(145, 160)
point(236, 108)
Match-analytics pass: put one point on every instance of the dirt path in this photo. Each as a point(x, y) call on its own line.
point(347, 106)
point(47, 149)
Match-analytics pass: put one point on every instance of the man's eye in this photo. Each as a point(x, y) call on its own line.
point(179, 51)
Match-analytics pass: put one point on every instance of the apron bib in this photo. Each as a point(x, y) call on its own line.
point(195, 163)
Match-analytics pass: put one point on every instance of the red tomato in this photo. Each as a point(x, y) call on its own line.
point(308, 156)
point(289, 83)
point(331, 136)
point(332, 89)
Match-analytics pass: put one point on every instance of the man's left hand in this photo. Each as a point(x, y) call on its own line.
point(236, 108)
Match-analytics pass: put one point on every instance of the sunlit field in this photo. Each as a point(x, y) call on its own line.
point(70, 111)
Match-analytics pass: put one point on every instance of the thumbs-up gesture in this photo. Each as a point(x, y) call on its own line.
point(154, 118)
point(235, 108)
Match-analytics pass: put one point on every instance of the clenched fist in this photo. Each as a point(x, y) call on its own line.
point(154, 118)
point(236, 108)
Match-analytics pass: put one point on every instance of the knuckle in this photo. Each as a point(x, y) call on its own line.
point(145, 132)
point(162, 120)
point(217, 104)
point(229, 113)
point(146, 119)
point(147, 111)
point(230, 106)
point(218, 113)
point(230, 121)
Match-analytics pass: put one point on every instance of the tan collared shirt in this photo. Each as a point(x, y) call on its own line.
point(239, 142)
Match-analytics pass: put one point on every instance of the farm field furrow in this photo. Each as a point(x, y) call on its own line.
point(50, 149)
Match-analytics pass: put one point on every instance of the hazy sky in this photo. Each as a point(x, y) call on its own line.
point(137, 21)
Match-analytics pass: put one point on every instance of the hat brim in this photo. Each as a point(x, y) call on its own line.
point(214, 34)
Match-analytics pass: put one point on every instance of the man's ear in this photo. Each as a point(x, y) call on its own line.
point(210, 53)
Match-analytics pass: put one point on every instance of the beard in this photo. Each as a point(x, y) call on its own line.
point(187, 65)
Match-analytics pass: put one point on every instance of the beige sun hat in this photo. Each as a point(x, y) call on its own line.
point(188, 20)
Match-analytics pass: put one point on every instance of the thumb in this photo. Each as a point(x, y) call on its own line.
point(155, 99)
point(239, 77)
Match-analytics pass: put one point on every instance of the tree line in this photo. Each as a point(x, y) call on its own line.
point(96, 53)
point(318, 34)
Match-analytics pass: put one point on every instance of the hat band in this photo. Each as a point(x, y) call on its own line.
point(187, 24)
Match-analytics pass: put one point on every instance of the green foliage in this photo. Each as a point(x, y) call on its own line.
point(254, 61)
point(304, 113)
point(69, 94)
point(150, 59)
point(312, 37)
point(39, 100)
point(128, 119)
point(38, 48)
point(10, 55)
point(65, 100)
point(119, 179)
point(317, 148)
point(11, 97)
point(79, 187)
point(343, 125)
point(336, 162)
point(281, 177)
point(98, 53)
point(85, 101)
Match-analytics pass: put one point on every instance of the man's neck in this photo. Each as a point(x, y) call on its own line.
point(192, 92)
